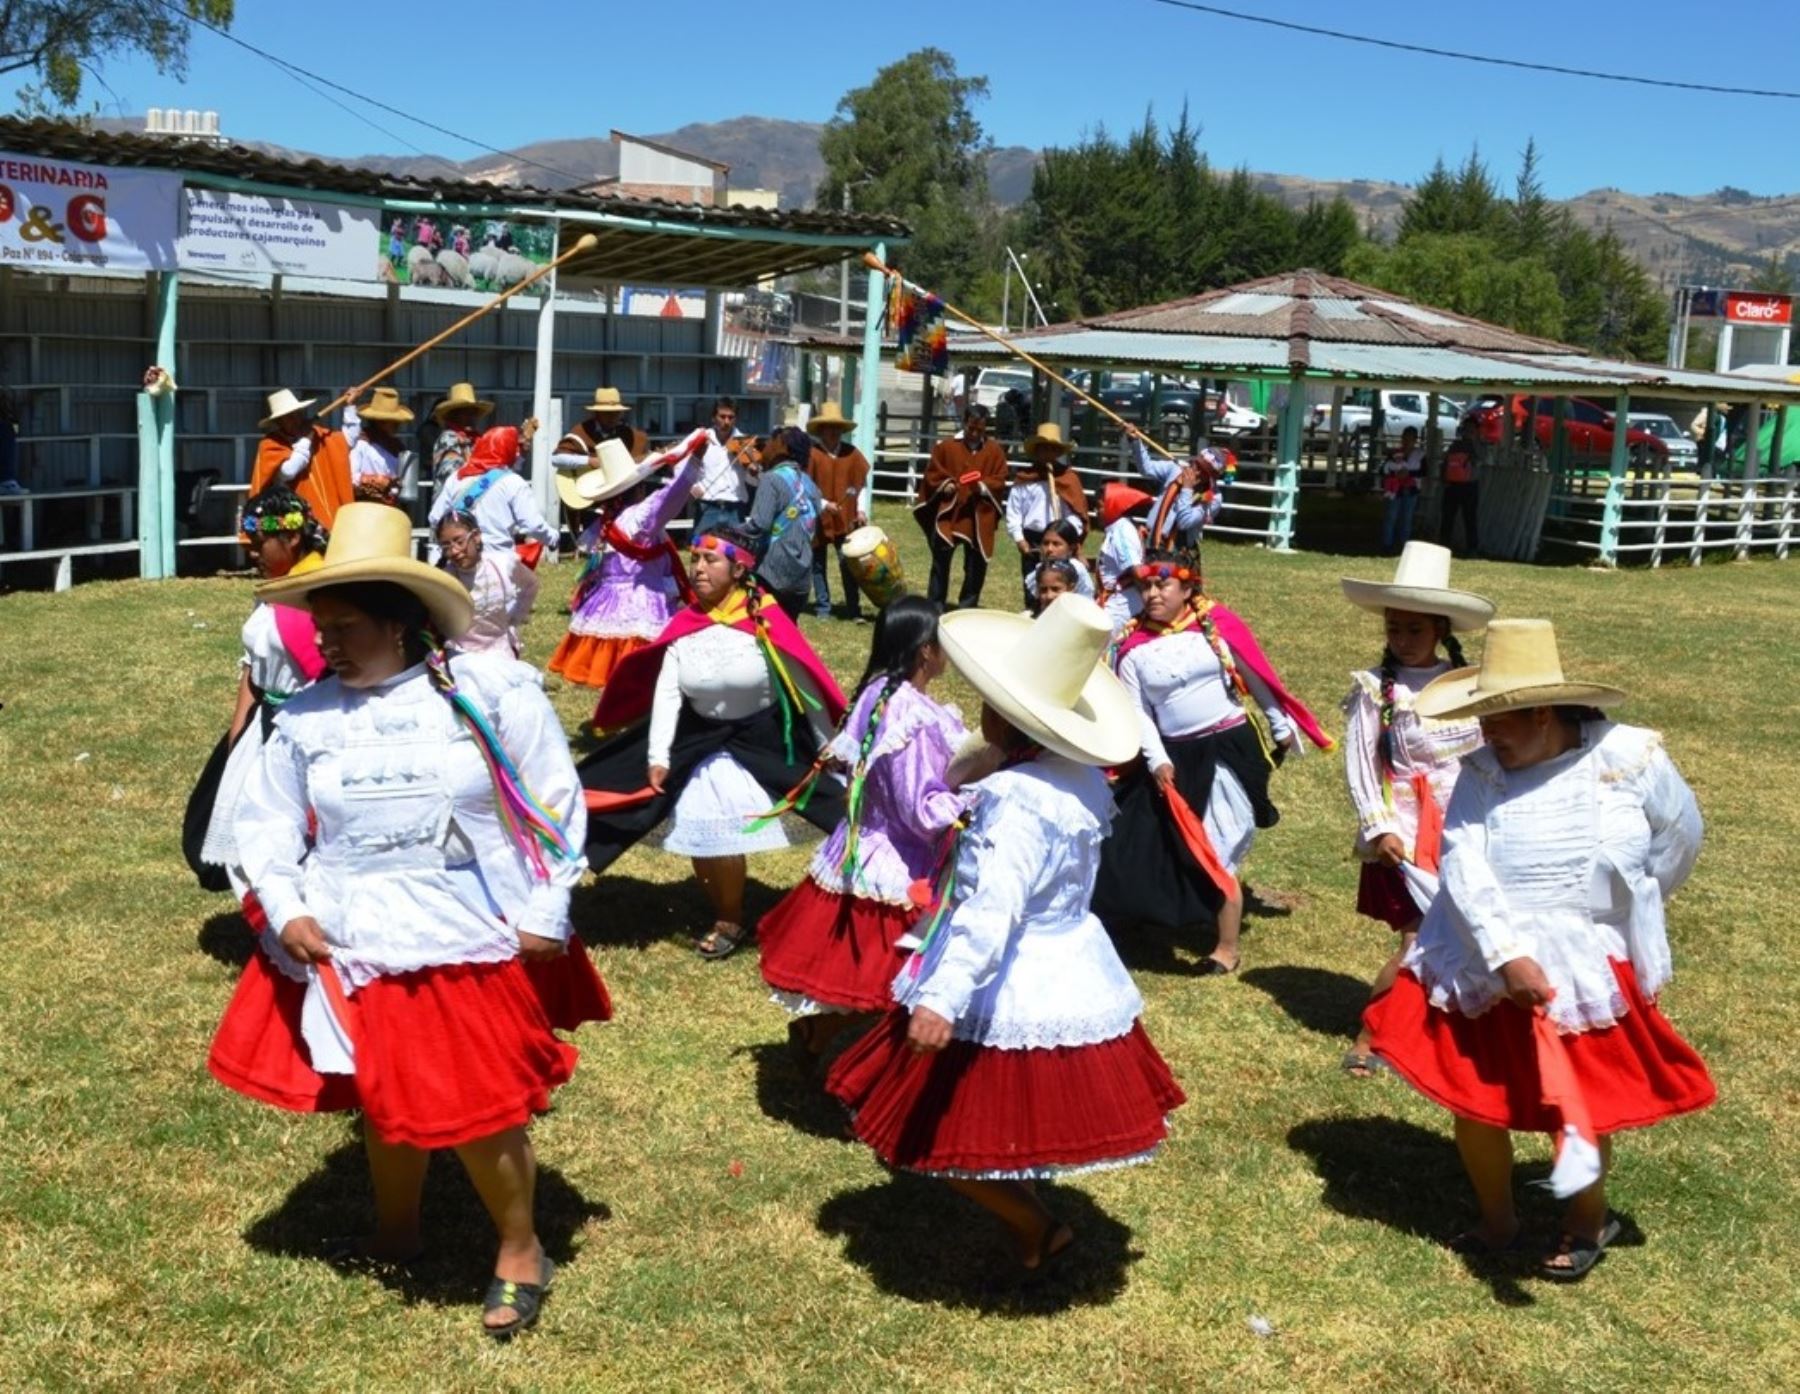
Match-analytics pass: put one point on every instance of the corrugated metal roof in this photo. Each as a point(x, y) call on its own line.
point(1080, 346)
point(647, 240)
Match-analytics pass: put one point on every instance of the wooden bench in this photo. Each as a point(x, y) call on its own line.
point(26, 504)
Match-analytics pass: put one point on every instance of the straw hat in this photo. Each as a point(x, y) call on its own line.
point(1519, 668)
point(1422, 584)
point(614, 472)
point(283, 403)
point(373, 542)
point(831, 414)
point(385, 405)
point(1116, 500)
point(1048, 676)
point(607, 402)
point(461, 397)
point(1047, 434)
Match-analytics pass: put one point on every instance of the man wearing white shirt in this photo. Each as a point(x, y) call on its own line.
point(724, 487)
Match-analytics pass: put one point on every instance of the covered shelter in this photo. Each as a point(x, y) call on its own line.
point(1304, 331)
point(258, 270)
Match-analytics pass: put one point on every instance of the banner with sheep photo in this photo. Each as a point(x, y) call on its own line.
point(461, 253)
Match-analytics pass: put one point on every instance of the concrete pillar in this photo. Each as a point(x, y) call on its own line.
point(1613, 510)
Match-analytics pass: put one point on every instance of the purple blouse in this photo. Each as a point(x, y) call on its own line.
point(634, 599)
point(906, 804)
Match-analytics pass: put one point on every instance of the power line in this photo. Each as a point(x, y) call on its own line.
point(300, 75)
point(1477, 57)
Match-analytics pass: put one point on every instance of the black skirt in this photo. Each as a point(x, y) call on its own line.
point(205, 797)
point(756, 743)
point(1147, 873)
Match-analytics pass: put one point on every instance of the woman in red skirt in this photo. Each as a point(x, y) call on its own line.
point(1536, 971)
point(832, 946)
point(1015, 1052)
point(418, 953)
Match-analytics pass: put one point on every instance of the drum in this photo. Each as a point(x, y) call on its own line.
point(876, 563)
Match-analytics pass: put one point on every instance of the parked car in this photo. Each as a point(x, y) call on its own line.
point(1399, 409)
point(1684, 453)
point(991, 384)
point(1587, 427)
point(1129, 394)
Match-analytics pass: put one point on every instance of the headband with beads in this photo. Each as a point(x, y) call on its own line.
point(293, 521)
point(709, 542)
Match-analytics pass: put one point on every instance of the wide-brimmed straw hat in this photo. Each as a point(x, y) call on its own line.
point(1520, 668)
point(613, 472)
point(1422, 584)
point(1048, 676)
point(461, 397)
point(373, 542)
point(283, 403)
point(831, 414)
point(385, 405)
point(607, 402)
point(1047, 434)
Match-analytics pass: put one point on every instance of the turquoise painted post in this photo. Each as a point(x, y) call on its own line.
point(1285, 501)
point(1613, 511)
point(869, 383)
point(156, 452)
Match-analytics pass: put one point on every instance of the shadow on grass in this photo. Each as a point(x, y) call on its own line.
point(790, 1087)
point(919, 1240)
point(1411, 1180)
point(622, 912)
point(1319, 999)
point(1151, 948)
point(227, 937)
point(459, 1239)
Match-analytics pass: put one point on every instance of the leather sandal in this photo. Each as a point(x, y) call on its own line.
point(525, 1299)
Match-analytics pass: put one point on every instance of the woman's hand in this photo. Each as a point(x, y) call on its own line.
point(1525, 982)
point(1164, 775)
point(928, 1032)
point(305, 940)
point(658, 773)
point(1389, 850)
point(537, 948)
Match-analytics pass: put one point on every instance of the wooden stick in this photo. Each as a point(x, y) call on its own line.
point(875, 263)
point(585, 243)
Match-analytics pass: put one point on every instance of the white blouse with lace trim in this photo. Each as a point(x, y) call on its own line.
point(1421, 745)
point(412, 866)
point(1567, 862)
point(1021, 962)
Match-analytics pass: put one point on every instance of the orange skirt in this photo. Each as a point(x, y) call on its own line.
point(589, 660)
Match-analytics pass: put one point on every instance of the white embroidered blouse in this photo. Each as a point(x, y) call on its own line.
point(1420, 745)
point(412, 866)
point(1021, 962)
point(1567, 862)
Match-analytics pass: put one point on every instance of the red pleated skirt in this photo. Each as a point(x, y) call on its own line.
point(1634, 1073)
point(444, 1055)
point(836, 948)
point(978, 1110)
point(1381, 894)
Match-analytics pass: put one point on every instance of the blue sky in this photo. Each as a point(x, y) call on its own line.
point(1275, 101)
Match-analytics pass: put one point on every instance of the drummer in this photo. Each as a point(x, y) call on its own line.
point(841, 472)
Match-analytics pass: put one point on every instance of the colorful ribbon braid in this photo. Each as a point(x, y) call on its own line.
point(534, 830)
point(1240, 689)
point(789, 695)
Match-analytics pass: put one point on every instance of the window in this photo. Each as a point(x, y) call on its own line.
point(1407, 401)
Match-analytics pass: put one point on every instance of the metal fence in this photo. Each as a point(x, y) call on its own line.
point(1678, 519)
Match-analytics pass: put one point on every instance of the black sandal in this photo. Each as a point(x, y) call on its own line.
point(1582, 1254)
point(719, 943)
point(526, 1300)
point(1210, 967)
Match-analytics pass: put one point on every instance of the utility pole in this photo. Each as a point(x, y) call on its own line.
point(844, 279)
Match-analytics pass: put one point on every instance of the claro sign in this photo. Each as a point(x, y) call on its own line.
point(1743, 307)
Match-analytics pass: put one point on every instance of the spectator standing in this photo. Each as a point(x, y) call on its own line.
point(1460, 489)
point(9, 445)
point(842, 472)
point(785, 516)
point(1401, 474)
point(725, 482)
point(959, 505)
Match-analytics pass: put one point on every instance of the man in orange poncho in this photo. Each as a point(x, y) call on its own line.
point(958, 506)
point(310, 459)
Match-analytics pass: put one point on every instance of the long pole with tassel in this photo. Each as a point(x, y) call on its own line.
point(875, 263)
point(585, 243)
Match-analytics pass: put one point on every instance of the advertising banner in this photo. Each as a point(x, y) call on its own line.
point(1749, 307)
point(57, 215)
point(438, 249)
point(223, 231)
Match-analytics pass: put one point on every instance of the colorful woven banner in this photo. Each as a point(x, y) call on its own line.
point(918, 324)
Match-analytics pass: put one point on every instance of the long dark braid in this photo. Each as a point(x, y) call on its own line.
point(1454, 650)
point(1390, 673)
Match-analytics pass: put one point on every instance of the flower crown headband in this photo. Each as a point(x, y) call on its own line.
point(1162, 571)
point(710, 542)
point(292, 521)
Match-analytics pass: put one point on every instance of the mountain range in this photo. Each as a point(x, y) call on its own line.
point(1721, 237)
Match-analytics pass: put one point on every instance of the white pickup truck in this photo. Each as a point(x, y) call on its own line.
point(1399, 409)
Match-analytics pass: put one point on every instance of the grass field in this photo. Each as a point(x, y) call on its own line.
point(714, 1231)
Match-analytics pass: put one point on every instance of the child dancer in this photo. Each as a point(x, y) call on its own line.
point(834, 943)
point(1401, 766)
point(281, 656)
point(1051, 580)
point(1122, 511)
point(1061, 542)
point(501, 587)
point(1015, 1052)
